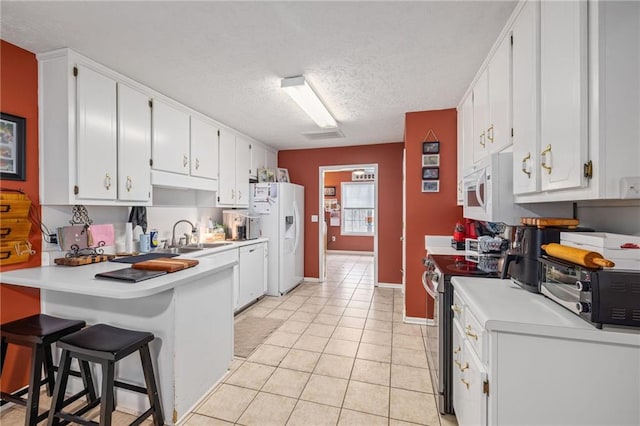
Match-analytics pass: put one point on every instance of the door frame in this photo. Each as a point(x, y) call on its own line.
point(345, 167)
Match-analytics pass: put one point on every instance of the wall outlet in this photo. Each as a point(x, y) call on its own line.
point(333, 238)
point(314, 218)
point(53, 238)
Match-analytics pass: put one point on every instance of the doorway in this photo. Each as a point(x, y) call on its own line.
point(370, 222)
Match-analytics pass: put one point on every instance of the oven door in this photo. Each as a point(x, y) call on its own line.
point(434, 336)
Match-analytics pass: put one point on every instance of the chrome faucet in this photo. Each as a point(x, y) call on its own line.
point(173, 234)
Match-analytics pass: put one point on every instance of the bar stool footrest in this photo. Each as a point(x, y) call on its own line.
point(129, 386)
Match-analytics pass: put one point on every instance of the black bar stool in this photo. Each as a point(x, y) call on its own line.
point(106, 345)
point(38, 332)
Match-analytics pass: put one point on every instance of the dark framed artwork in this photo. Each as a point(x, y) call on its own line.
point(431, 147)
point(330, 191)
point(430, 173)
point(12, 147)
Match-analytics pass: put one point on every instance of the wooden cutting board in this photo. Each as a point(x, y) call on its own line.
point(83, 260)
point(165, 264)
point(552, 222)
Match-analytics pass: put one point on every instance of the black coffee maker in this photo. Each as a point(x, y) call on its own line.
point(521, 261)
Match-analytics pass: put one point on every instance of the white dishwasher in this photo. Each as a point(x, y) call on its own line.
point(252, 276)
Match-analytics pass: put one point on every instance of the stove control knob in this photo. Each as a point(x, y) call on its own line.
point(435, 278)
point(583, 286)
point(583, 307)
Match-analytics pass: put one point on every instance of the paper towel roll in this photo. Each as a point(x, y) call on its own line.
point(128, 237)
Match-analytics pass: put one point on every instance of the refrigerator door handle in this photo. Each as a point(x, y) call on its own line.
point(296, 215)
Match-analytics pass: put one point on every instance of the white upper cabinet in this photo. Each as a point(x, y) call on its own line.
point(170, 138)
point(243, 171)
point(97, 135)
point(480, 146)
point(499, 130)
point(465, 141)
point(134, 144)
point(525, 33)
point(94, 134)
point(271, 160)
point(235, 165)
point(204, 149)
point(258, 159)
point(563, 94)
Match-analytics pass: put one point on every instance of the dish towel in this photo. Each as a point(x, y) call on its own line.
point(138, 216)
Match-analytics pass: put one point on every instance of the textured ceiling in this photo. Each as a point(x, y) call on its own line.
point(370, 62)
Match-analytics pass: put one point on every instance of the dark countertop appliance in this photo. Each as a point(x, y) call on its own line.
point(521, 261)
point(437, 282)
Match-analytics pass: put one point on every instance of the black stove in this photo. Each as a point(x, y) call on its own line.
point(437, 282)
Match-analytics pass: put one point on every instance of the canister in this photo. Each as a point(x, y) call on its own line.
point(154, 238)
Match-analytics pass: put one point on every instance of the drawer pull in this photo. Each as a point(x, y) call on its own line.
point(464, 382)
point(457, 350)
point(455, 308)
point(468, 332)
point(460, 366)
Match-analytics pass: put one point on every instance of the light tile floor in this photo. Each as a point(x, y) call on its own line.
point(343, 356)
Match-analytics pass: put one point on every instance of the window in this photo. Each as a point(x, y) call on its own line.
point(357, 208)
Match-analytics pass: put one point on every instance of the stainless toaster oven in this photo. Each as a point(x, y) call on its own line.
point(596, 295)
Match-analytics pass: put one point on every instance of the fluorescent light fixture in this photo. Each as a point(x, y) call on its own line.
point(303, 94)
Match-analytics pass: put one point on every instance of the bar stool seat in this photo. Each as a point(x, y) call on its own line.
point(38, 332)
point(105, 345)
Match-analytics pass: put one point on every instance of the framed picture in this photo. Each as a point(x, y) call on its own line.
point(266, 175)
point(282, 175)
point(330, 191)
point(431, 147)
point(430, 160)
point(12, 147)
point(430, 186)
point(330, 204)
point(431, 173)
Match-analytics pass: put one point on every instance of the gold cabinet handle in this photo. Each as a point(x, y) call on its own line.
point(239, 195)
point(455, 308)
point(185, 161)
point(543, 158)
point(524, 165)
point(129, 183)
point(468, 332)
point(490, 134)
point(233, 194)
point(482, 139)
point(197, 164)
point(464, 382)
point(107, 181)
point(460, 366)
point(457, 350)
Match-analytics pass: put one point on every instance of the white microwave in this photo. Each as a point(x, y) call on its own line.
point(488, 191)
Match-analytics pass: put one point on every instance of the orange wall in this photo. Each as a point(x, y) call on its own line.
point(428, 213)
point(19, 96)
point(343, 242)
point(303, 167)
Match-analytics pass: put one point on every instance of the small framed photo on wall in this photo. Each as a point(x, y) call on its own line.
point(431, 173)
point(430, 186)
point(431, 147)
point(430, 160)
point(12, 147)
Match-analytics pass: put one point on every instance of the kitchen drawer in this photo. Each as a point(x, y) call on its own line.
point(474, 332)
point(458, 308)
point(14, 252)
point(15, 229)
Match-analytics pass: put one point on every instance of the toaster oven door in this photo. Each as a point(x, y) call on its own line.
point(560, 284)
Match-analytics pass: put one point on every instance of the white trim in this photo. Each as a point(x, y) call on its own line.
point(356, 252)
point(320, 208)
point(311, 279)
point(390, 285)
point(418, 321)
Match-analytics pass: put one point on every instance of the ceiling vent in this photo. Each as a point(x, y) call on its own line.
point(325, 134)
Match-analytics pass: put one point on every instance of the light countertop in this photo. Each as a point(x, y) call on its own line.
point(440, 245)
point(81, 279)
point(501, 305)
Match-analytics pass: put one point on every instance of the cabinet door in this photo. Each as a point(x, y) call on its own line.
point(474, 398)
point(243, 169)
point(204, 149)
point(271, 160)
point(499, 130)
point(258, 159)
point(134, 145)
point(170, 138)
point(458, 387)
point(251, 273)
point(227, 168)
point(525, 100)
point(466, 140)
point(480, 117)
point(96, 135)
point(563, 94)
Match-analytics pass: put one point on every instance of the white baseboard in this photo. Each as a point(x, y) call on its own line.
point(415, 320)
point(311, 279)
point(361, 253)
point(390, 285)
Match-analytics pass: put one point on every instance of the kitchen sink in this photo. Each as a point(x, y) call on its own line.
point(214, 245)
point(178, 250)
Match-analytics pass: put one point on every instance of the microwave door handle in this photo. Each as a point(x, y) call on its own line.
point(478, 195)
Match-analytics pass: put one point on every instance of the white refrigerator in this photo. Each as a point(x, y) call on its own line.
point(281, 206)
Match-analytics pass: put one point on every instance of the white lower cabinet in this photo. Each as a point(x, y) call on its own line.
point(251, 282)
